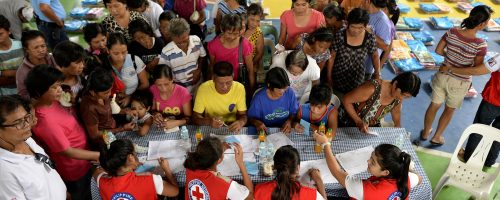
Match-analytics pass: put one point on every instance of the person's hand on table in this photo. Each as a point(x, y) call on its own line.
point(216, 122)
point(287, 127)
point(315, 175)
point(164, 164)
point(129, 126)
point(298, 128)
point(236, 126)
point(168, 123)
point(158, 119)
point(260, 126)
point(362, 126)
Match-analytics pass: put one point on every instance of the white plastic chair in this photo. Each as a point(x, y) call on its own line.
point(469, 176)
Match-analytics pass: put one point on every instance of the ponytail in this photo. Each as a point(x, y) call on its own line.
point(403, 179)
point(286, 160)
point(207, 153)
point(478, 15)
point(116, 156)
point(322, 34)
point(391, 158)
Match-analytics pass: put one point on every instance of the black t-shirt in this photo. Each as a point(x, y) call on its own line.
point(146, 55)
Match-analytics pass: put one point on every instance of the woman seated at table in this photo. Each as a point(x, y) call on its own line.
point(171, 101)
point(202, 175)
point(120, 161)
point(275, 104)
point(95, 107)
point(286, 185)
point(377, 95)
point(119, 17)
point(301, 69)
point(388, 165)
point(59, 130)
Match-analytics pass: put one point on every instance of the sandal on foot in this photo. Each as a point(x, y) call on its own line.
point(422, 133)
point(438, 143)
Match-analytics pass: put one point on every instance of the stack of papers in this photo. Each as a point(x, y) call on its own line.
point(492, 26)
point(279, 140)
point(404, 35)
point(355, 161)
point(464, 7)
point(168, 149)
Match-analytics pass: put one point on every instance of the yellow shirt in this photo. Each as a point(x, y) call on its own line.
point(213, 104)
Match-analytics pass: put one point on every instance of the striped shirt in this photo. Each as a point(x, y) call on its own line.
point(13, 57)
point(183, 63)
point(461, 51)
point(225, 9)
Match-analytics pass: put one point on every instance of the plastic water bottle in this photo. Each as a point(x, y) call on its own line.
point(262, 152)
point(270, 151)
point(400, 141)
point(186, 143)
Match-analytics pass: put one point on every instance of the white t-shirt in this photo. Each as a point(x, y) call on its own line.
point(354, 185)
point(22, 177)
point(152, 14)
point(300, 84)
point(157, 180)
point(493, 63)
point(237, 191)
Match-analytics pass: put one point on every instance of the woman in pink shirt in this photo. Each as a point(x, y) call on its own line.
point(299, 19)
point(171, 101)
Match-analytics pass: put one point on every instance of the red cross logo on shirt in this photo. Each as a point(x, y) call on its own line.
point(197, 193)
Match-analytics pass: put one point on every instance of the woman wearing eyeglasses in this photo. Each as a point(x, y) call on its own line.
point(59, 131)
point(26, 171)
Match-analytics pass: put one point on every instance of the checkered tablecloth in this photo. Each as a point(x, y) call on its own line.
point(347, 139)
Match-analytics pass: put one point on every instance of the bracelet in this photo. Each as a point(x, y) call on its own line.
point(325, 144)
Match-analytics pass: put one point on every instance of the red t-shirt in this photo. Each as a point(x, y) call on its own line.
point(375, 188)
point(203, 184)
point(491, 92)
point(128, 186)
point(292, 30)
point(263, 191)
point(58, 129)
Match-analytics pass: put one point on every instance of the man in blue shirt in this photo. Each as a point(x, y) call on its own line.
point(381, 27)
point(49, 15)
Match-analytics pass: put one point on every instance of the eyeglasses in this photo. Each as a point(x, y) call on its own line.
point(44, 159)
point(21, 125)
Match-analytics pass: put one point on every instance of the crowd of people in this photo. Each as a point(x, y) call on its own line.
point(148, 67)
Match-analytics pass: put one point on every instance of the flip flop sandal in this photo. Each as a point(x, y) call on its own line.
point(437, 143)
point(422, 133)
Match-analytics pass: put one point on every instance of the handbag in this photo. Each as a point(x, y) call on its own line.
point(242, 68)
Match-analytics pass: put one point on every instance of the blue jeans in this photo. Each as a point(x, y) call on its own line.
point(486, 114)
point(53, 33)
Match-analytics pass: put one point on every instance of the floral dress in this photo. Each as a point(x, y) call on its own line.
point(111, 25)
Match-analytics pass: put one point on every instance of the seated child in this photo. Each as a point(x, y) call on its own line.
point(140, 104)
point(120, 161)
point(318, 110)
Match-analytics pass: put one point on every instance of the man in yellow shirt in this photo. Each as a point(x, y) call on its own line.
point(221, 100)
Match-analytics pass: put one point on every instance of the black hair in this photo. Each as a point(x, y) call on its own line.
point(167, 15)
point(207, 153)
point(4, 23)
point(29, 35)
point(231, 22)
point(332, 10)
point(40, 78)
point(67, 52)
point(134, 4)
point(286, 160)
point(255, 9)
point(162, 71)
point(116, 38)
point(320, 94)
point(143, 97)
point(478, 15)
point(140, 25)
point(322, 34)
point(116, 156)
point(223, 68)
point(10, 103)
point(100, 80)
point(408, 82)
point(379, 3)
point(397, 162)
point(298, 58)
point(358, 16)
point(277, 78)
point(308, 1)
point(92, 30)
point(109, 1)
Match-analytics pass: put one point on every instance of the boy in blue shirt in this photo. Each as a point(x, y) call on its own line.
point(318, 110)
